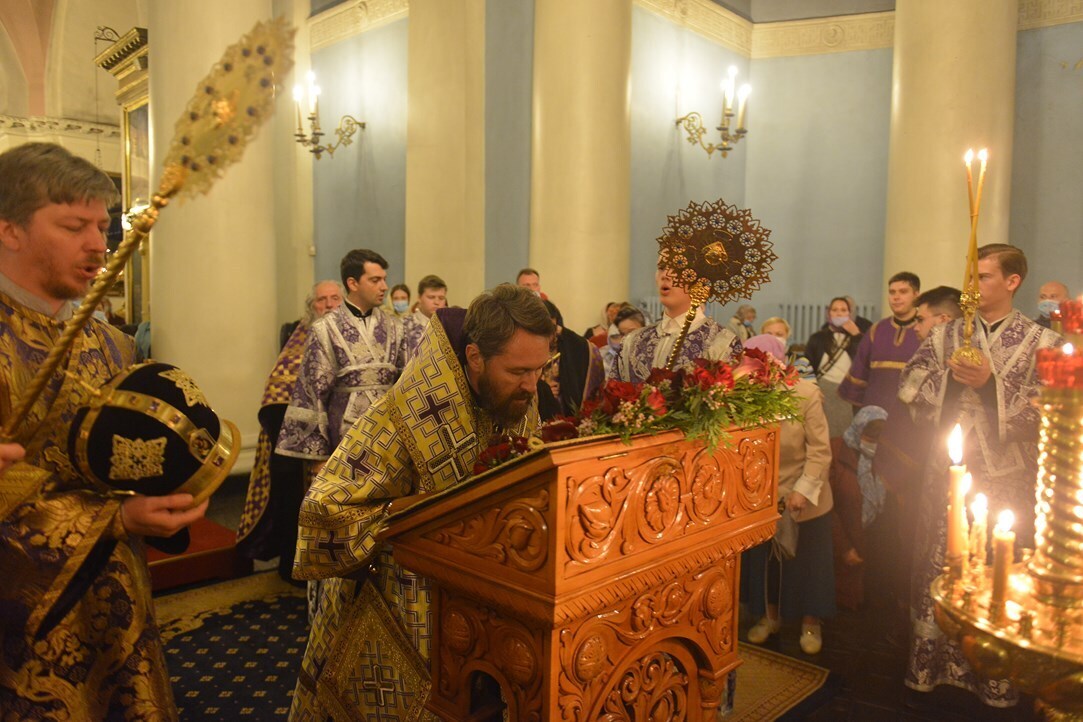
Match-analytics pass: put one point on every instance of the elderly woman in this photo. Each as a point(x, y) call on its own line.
point(804, 585)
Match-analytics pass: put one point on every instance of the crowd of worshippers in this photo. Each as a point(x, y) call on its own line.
point(378, 398)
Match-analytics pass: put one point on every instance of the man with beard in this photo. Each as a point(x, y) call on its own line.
point(474, 377)
point(268, 527)
point(648, 348)
point(77, 631)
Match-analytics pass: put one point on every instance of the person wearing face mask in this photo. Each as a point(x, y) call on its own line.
point(400, 300)
point(431, 295)
point(741, 324)
point(859, 498)
point(1050, 296)
point(830, 352)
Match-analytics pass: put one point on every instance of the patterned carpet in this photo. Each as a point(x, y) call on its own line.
point(234, 648)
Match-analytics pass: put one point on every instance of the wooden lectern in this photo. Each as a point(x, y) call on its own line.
point(593, 579)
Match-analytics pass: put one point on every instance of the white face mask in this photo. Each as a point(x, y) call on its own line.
point(868, 448)
point(400, 306)
point(839, 321)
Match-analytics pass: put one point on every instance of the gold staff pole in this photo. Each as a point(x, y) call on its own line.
point(971, 296)
point(697, 301)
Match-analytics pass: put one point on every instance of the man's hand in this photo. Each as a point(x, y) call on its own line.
point(973, 376)
point(796, 502)
point(9, 454)
point(161, 516)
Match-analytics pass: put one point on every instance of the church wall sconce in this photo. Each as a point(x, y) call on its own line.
point(734, 105)
point(310, 97)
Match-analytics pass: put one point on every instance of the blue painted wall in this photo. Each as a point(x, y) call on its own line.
point(1047, 164)
point(509, 67)
point(674, 72)
point(360, 193)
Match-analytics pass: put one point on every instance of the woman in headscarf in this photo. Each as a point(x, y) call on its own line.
point(859, 498)
point(831, 351)
point(801, 586)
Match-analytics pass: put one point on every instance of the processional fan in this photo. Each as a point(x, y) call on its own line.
point(227, 109)
point(715, 252)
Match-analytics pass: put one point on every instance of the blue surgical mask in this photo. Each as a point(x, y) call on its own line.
point(747, 322)
point(839, 321)
point(400, 306)
point(1046, 308)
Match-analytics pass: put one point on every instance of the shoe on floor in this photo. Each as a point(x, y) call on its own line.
point(761, 630)
point(811, 639)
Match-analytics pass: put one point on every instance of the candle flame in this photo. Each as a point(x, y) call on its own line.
point(1005, 520)
point(968, 481)
point(1068, 349)
point(980, 505)
point(955, 445)
point(298, 93)
point(969, 157)
point(983, 155)
point(744, 92)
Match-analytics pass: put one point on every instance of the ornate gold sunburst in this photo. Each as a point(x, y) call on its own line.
point(716, 251)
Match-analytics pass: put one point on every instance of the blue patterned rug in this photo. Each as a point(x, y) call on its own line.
point(234, 649)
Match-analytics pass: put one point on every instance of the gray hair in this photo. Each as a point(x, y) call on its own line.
point(310, 300)
point(33, 175)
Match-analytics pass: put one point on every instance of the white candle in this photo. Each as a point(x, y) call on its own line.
point(958, 485)
point(1003, 554)
point(978, 532)
point(742, 105)
point(298, 96)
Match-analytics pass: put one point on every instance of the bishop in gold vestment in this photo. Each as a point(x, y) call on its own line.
point(78, 639)
point(368, 651)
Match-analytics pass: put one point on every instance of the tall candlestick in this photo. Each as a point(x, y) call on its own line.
point(978, 534)
point(1003, 554)
point(742, 105)
point(298, 95)
point(958, 485)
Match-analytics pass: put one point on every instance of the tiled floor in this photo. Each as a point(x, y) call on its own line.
point(857, 647)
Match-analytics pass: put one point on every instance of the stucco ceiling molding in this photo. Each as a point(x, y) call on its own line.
point(39, 125)
point(705, 18)
point(353, 18)
point(1045, 13)
point(868, 31)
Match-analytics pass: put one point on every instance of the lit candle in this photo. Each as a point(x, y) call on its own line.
point(729, 86)
point(298, 96)
point(1003, 554)
point(978, 532)
point(958, 484)
point(742, 105)
point(969, 159)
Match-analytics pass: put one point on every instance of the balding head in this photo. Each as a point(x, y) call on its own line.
point(1053, 291)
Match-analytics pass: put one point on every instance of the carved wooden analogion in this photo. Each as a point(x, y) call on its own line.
point(594, 580)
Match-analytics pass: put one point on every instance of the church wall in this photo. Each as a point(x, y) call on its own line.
point(509, 45)
point(13, 90)
point(1047, 164)
point(817, 174)
point(674, 72)
point(360, 194)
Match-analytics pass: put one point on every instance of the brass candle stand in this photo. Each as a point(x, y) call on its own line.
point(1034, 636)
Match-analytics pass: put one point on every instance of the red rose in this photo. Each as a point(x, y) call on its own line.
point(659, 375)
point(559, 429)
point(708, 374)
point(614, 393)
point(657, 402)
